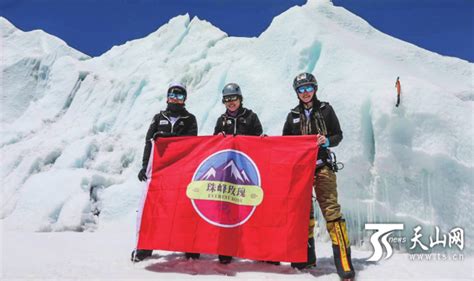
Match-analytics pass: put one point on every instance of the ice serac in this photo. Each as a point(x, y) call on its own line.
point(27, 59)
point(68, 119)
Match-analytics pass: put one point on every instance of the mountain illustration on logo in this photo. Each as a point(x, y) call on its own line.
point(226, 188)
point(229, 172)
point(209, 175)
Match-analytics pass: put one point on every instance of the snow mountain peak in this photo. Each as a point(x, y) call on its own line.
point(6, 27)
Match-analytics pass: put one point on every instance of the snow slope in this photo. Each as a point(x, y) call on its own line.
point(72, 127)
point(94, 256)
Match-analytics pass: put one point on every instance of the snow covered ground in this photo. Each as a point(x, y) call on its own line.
point(72, 132)
point(104, 255)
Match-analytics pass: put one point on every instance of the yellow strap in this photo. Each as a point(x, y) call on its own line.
point(332, 233)
point(342, 248)
point(312, 223)
point(345, 235)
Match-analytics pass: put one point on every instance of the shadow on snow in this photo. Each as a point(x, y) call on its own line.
point(209, 265)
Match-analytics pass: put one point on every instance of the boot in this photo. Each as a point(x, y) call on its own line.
point(193, 256)
point(139, 255)
point(341, 248)
point(311, 262)
point(225, 259)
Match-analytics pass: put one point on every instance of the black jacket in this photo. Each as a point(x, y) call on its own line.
point(334, 132)
point(161, 126)
point(245, 123)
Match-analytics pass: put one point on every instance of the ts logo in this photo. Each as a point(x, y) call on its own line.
point(383, 230)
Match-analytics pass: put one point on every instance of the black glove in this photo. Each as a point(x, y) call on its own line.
point(142, 175)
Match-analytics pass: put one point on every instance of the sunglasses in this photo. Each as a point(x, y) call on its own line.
point(307, 89)
point(176, 96)
point(230, 98)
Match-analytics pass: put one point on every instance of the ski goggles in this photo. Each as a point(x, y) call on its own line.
point(307, 88)
point(176, 96)
point(230, 98)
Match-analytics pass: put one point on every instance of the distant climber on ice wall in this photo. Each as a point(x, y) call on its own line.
point(399, 91)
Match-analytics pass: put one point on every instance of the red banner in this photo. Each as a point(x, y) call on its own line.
point(241, 196)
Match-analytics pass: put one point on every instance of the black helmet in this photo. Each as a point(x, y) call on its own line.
point(304, 79)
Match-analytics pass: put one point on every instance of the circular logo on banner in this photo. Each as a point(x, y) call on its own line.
point(226, 188)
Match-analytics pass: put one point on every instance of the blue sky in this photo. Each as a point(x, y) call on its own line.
point(94, 26)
